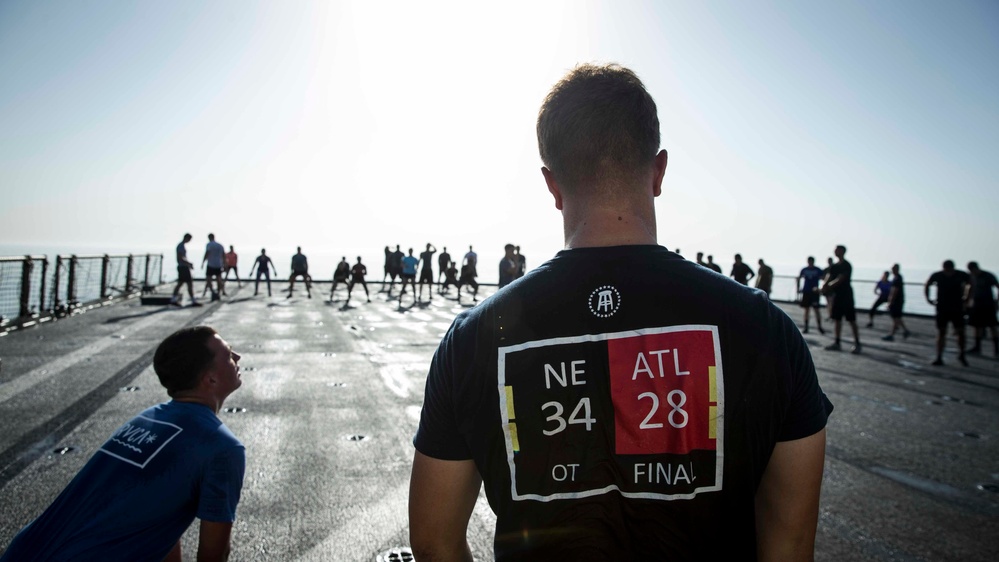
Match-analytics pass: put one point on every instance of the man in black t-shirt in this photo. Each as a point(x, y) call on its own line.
point(340, 275)
point(618, 402)
point(357, 274)
point(952, 295)
point(896, 300)
point(840, 294)
point(427, 270)
point(740, 271)
point(507, 266)
point(712, 265)
point(983, 308)
point(443, 261)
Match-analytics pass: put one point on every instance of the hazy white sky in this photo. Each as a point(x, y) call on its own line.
point(346, 126)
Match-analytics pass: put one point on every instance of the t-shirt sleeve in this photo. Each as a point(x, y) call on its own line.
point(808, 408)
point(438, 435)
point(221, 486)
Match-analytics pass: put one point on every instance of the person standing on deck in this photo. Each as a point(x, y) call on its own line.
point(838, 286)
point(952, 296)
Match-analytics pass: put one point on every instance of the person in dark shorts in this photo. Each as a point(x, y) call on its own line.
point(809, 291)
point(395, 267)
point(953, 289)
point(468, 278)
point(388, 261)
point(340, 275)
point(232, 264)
point(843, 307)
point(587, 397)
point(299, 268)
point(983, 309)
point(882, 290)
point(450, 278)
point(215, 258)
point(427, 271)
point(896, 301)
point(443, 262)
point(740, 271)
point(408, 275)
point(263, 265)
point(357, 274)
point(831, 296)
point(184, 267)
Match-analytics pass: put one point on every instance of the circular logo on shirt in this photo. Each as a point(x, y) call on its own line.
point(604, 301)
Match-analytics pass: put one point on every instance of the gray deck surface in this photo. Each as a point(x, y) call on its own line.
point(912, 466)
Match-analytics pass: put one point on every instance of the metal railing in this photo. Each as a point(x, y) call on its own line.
point(33, 288)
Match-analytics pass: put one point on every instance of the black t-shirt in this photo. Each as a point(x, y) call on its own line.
point(984, 282)
point(620, 403)
point(741, 272)
point(427, 258)
point(899, 287)
point(342, 270)
point(843, 288)
point(358, 271)
point(950, 289)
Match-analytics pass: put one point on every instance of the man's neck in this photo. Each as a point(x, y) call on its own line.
point(587, 226)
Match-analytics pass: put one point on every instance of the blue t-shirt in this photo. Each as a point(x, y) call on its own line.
point(141, 490)
point(215, 253)
point(812, 275)
point(409, 265)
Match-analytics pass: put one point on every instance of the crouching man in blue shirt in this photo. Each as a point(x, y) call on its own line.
point(171, 463)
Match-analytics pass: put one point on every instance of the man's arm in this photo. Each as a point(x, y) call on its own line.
point(926, 291)
point(174, 554)
point(213, 541)
point(442, 495)
point(787, 501)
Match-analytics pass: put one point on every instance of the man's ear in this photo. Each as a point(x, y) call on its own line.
point(552, 187)
point(660, 171)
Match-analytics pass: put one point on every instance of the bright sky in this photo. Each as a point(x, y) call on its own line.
point(346, 126)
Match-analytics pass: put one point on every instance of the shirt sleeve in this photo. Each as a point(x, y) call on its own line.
point(808, 408)
point(438, 435)
point(221, 486)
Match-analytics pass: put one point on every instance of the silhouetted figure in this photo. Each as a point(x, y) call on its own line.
point(712, 265)
point(812, 276)
point(215, 258)
point(395, 267)
point(521, 262)
point(299, 268)
point(740, 271)
point(184, 268)
point(838, 285)
point(427, 271)
point(700, 259)
point(340, 275)
point(388, 266)
point(952, 295)
point(468, 278)
point(232, 264)
point(507, 267)
point(450, 278)
point(882, 290)
point(443, 262)
point(830, 297)
point(409, 264)
point(896, 300)
point(765, 277)
point(357, 274)
point(263, 265)
point(983, 308)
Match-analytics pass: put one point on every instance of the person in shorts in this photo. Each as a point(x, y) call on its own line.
point(340, 275)
point(983, 309)
point(299, 268)
point(953, 289)
point(232, 264)
point(896, 301)
point(427, 271)
point(215, 258)
point(263, 264)
point(184, 267)
point(395, 267)
point(843, 308)
point(408, 274)
point(357, 274)
point(443, 262)
point(812, 276)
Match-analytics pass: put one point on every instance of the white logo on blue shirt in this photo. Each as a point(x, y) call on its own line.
point(139, 440)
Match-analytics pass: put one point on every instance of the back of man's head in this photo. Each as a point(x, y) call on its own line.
point(597, 127)
point(182, 357)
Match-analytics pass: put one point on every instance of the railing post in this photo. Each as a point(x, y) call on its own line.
point(41, 290)
point(105, 265)
point(128, 276)
point(145, 280)
point(25, 286)
point(71, 282)
point(161, 269)
point(55, 284)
